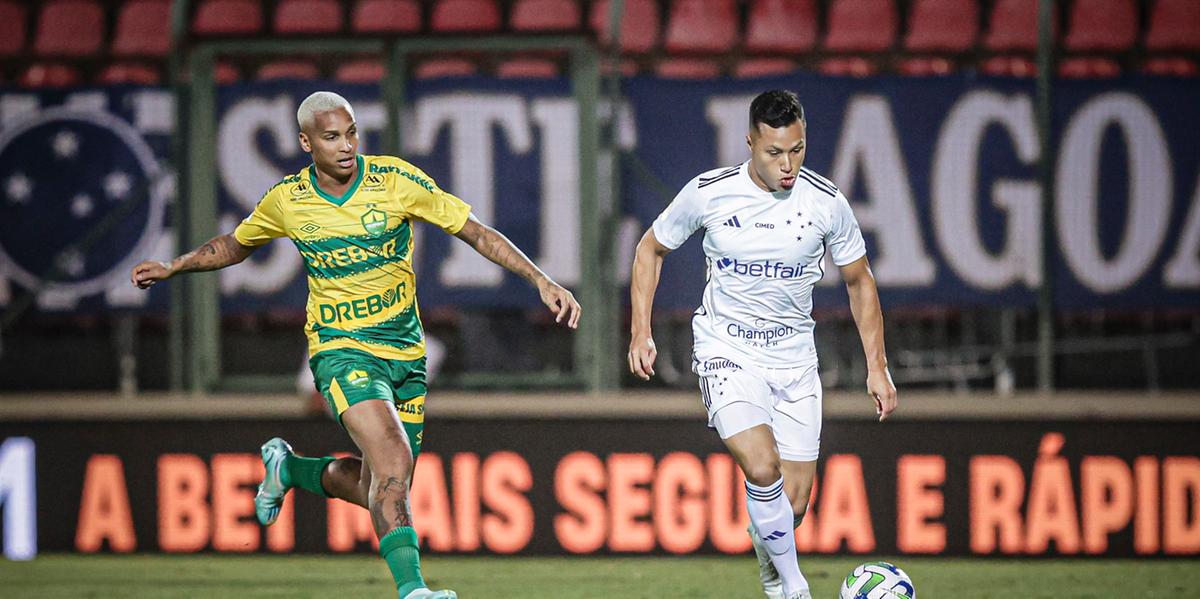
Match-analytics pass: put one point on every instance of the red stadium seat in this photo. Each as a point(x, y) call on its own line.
point(70, 28)
point(1014, 26)
point(225, 73)
point(849, 67)
point(131, 73)
point(925, 67)
point(782, 26)
point(445, 67)
point(687, 68)
point(545, 15)
point(1171, 67)
point(639, 24)
point(528, 68)
point(942, 25)
point(1009, 66)
point(12, 28)
point(386, 16)
point(143, 28)
point(288, 69)
point(227, 17)
point(626, 68)
point(1174, 25)
point(1102, 25)
point(308, 16)
point(466, 15)
point(763, 67)
point(41, 75)
point(702, 25)
point(861, 25)
point(1088, 68)
point(360, 71)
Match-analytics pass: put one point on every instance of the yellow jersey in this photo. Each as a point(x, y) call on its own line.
point(357, 251)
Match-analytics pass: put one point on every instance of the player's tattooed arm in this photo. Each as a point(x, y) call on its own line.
point(216, 253)
point(494, 246)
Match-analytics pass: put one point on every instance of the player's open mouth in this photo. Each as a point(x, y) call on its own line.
point(787, 181)
point(346, 162)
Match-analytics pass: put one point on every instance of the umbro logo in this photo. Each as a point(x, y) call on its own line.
point(733, 222)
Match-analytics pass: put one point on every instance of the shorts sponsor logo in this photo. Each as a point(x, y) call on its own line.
point(764, 269)
point(362, 307)
point(358, 378)
point(412, 410)
point(719, 364)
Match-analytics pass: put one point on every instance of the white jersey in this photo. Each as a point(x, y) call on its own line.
point(764, 252)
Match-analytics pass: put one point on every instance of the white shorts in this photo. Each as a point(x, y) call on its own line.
point(787, 399)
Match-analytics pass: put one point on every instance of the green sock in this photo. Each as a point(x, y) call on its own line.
point(399, 550)
point(305, 473)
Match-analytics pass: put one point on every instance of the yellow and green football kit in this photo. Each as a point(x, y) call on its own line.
point(364, 330)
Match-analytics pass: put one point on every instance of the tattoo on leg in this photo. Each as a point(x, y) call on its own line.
point(402, 518)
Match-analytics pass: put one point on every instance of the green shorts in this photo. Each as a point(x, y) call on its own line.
point(348, 376)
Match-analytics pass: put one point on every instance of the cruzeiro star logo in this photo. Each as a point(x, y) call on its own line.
point(374, 221)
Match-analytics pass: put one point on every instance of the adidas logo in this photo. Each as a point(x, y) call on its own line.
point(733, 222)
point(779, 534)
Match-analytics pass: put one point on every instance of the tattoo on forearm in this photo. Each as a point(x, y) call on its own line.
point(216, 253)
point(495, 247)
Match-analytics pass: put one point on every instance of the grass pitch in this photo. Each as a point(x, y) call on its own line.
point(366, 577)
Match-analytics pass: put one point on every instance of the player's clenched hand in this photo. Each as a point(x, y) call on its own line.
point(149, 272)
point(642, 353)
point(881, 388)
point(561, 302)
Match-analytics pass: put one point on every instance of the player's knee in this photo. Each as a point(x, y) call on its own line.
point(762, 473)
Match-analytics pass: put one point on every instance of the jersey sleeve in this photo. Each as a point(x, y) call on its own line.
point(421, 198)
point(264, 224)
point(845, 240)
point(681, 218)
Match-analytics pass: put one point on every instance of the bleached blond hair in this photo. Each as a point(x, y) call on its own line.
point(320, 102)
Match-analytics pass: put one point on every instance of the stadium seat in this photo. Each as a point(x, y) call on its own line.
point(1088, 68)
point(528, 68)
point(687, 68)
point(288, 69)
point(942, 25)
point(923, 66)
point(861, 25)
point(227, 17)
point(225, 73)
point(445, 67)
point(626, 68)
point(1174, 66)
point(130, 73)
point(1110, 25)
point(70, 28)
point(360, 71)
point(308, 16)
point(849, 67)
point(545, 15)
point(1174, 25)
point(1009, 66)
point(143, 28)
point(1014, 26)
point(702, 26)
point(386, 16)
point(639, 24)
point(12, 28)
point(40, 75)
point(763, 67)
point(781, 26)
point(465, 15)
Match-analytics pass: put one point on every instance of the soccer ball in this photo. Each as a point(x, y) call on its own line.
point(877, 580)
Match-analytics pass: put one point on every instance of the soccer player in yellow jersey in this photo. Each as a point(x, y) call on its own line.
point(350, 216)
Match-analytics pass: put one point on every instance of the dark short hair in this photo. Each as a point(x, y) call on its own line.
point(776, 108)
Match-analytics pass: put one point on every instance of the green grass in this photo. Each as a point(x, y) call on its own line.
point(365, 577)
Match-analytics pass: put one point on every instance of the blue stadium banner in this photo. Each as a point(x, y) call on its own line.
point(942, 174)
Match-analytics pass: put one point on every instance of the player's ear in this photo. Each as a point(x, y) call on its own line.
point(307, 147)
point(749, 142)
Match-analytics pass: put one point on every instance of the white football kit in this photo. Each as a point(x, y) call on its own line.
point(753, 331)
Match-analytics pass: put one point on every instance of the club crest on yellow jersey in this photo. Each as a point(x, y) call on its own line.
point(374, 221)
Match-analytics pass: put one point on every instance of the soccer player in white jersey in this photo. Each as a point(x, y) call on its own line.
point(768, 223)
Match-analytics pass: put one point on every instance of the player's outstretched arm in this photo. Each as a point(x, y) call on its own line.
point(494, 246)
point(647, 264)
point(218, 252)
point(868, 316)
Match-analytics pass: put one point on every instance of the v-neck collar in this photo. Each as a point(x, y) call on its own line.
point(337, 201)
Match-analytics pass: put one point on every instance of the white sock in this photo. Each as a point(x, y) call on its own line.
point(771, 513)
